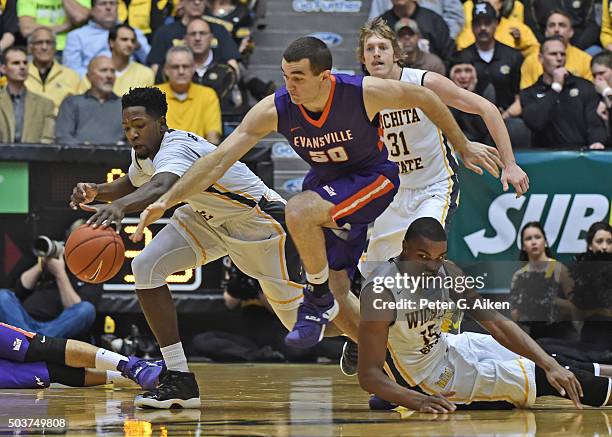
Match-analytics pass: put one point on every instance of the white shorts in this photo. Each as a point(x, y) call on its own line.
point(439, 200)
point(478, 368)
point(255, 242)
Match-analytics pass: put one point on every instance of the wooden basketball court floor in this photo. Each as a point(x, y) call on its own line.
point(283, 400)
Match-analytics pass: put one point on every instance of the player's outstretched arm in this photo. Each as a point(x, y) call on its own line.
point(381, 94)
point(472, 103)
point(373, 336)
point(372, 351)
point(257, 123)
point(137, 200)
point(87, 192)
point(512, 337)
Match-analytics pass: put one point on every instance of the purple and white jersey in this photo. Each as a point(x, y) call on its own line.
point(342, 140)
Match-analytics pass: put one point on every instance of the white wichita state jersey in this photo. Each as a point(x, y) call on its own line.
point(236, 193)
point(423, 154)
point(416, 341)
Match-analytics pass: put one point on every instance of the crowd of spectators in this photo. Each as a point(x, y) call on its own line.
point(550, 96)
point(532, 59)
point(65, 64)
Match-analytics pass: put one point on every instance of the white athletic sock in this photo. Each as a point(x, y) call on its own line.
point(174, 356)
point(596, 369)
point(108, 360)
point(113, 376)
point(318, 278)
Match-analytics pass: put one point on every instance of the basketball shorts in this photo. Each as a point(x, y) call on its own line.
point(477, 368)
point(24, 375)
point(439, 200)
point(256, 242)
point(358, 198)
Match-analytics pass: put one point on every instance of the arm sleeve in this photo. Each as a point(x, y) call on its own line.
point(142, 53)
point(606, 25)
point(453, 16)
point(72, 56)
point(20, 291)
point(67, 118)
point(536, 112)
point(596, 129)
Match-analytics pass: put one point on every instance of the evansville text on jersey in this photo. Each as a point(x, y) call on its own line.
point(341, 136)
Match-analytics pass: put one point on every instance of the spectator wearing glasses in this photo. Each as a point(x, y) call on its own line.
point(169, 35)
point(46, 76)
point(191, 107)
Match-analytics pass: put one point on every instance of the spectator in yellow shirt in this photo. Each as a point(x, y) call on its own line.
point(191, 107)
point(577, 62)
point(129, 73)
point(510, 31)
point(606, 25)
point(46, 76)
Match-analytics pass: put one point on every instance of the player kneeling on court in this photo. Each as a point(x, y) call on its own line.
point(237, 216)
point(30, 360)
point(432, 371)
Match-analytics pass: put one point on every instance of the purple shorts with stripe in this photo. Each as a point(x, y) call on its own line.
point(359, 198)
point(23, 375)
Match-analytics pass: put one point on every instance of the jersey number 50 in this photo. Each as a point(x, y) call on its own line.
point(336, 154)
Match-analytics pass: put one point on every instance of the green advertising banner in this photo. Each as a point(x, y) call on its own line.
point(568, 192)
point(14, 187)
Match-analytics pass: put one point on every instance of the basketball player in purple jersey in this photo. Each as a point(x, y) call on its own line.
point(327, 120)
point(30, 360)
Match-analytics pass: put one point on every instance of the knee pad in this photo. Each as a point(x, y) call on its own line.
point(145, 276)
point(48, 349)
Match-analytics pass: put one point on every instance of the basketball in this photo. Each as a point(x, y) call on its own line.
point(94, 255)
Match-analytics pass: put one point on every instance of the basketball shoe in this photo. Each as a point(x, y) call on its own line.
point(175, 389)
point(143, 372)
point(348, 360)
point(313, 315)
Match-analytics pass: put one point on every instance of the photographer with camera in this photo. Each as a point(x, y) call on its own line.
point(47, 298)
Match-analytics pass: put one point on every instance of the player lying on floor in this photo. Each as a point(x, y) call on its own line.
point(30, 360)
point(430, 371)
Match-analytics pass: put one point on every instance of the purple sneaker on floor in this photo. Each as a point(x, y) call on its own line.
point(314, 314)
point(143, 372)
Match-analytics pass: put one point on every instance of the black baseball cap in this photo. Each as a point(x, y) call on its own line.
point(483, 10)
